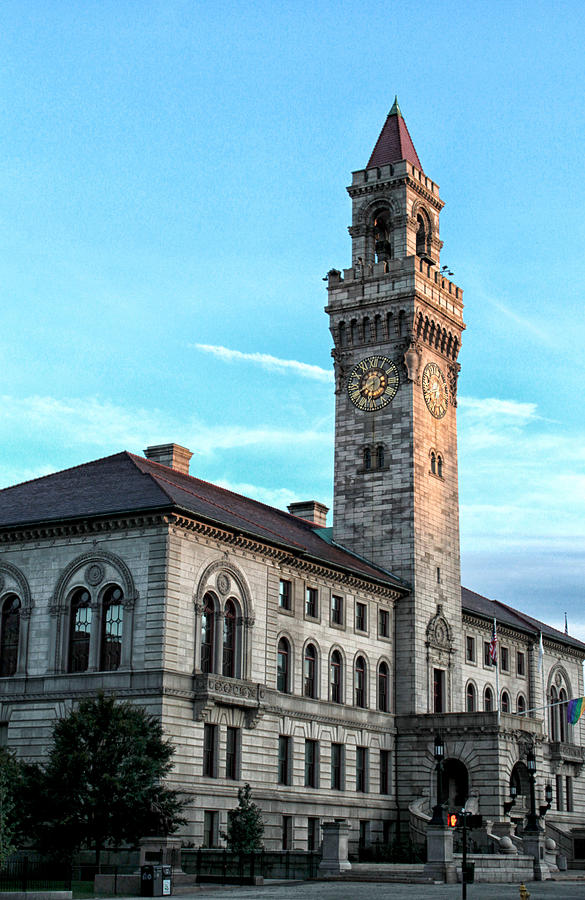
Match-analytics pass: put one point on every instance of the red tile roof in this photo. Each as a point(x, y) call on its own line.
point(394, 143)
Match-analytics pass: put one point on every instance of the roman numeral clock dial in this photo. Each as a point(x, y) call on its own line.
point(434, 388)
point(373, 383)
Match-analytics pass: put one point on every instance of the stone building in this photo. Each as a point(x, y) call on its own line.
point(316, 663)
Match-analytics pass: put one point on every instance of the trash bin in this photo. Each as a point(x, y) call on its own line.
point(146, 881)
point(469, 873)
point(156, 881)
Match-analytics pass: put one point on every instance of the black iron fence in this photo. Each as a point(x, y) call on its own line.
point(222, 866)
point(25, 874)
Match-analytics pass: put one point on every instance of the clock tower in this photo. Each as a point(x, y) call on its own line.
point(396, 321)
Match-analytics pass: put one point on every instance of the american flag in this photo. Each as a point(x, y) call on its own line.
point(494, 645)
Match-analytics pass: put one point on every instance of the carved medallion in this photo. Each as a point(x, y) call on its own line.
point(223, 583)
point(94, 574)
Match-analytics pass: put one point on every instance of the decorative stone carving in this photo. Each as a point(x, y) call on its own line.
point(217, 690)
point(2, 583)
point(94, 574)
point(412, 359)
point(223, 583)
point(452, 378)
point(439, 631)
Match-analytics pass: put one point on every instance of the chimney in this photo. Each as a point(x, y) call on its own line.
point(172, 455)
point(311, 510)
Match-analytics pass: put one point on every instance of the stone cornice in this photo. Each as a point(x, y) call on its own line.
point(530, 638)
point(50, 531)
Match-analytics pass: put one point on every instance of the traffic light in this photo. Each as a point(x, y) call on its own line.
point(463, 819)
point(454, 820)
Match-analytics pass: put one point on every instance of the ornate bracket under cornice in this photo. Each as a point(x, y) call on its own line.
point(219, 690)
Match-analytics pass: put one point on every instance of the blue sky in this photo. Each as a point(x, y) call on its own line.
point(173, 181)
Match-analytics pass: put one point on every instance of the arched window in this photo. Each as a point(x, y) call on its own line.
point(310, 672)
point(421, 236)
point(229, 640)
point(554, 714)
point(382, 237)
point(283, 667)
point(433, 462)
point(335, 677)
point(488, 700)
point(389, 329)
point(366, 330)
point(208, 634)
point(562, 715)
point(360, 682)
point(439, 465)
point(383, 687)
point(354, 332)
point(112, 628)
point(378, 328)
point(367, 458)
point(380, 456)
point(9, 635)
point(521, 704)
point(505, 702)
point(470, 697)
point(342, 335)
point(79, 631)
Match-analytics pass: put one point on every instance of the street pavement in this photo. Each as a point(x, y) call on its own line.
point(331, 890)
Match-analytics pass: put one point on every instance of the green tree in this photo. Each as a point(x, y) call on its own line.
point(9, 825)
point(103, 782)
point(245, 826)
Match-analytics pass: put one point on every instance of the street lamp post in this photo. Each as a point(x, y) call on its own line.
point(438, 812)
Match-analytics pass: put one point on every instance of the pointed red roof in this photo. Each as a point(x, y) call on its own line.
point(394, 143)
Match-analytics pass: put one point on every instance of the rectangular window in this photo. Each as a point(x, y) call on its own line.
point(232, 752)
point(361, 769)
point(569, 792)
point(3, 734)
point(210, 828)
point(337, 767)
point(311, 763)
point(286, 832)
point(312, 603)
point(284, 759)
point(312, 833)
point(385, 772)
point(285, 594)
point(364, 833)
point(560, 797)
point(520, 663)
point(210, 751)
point(470, 649)
point(384, 623)
point(505, 659)
point(336, 609)
point(360, 617)
point(487, 659)
point(439, 690)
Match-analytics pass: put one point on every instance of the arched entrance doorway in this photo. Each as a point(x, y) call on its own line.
point(454, 783)
point(520, 780)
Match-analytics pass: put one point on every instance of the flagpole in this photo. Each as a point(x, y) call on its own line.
point(497, 665)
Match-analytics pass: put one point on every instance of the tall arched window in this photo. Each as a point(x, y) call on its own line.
point(520, 704)
point(79, 631)
point(488, 700)
point(9, 635)
point(554, 714)
point(470, 697)
point(367, 458)
point(229, 639)
point(505, 702)
point(208, 634)
point(439, 465)
point(421, 236)
point(283, 667)
point(310, 672)
point(360, 682)
point(342, 335)
point(562, 715)
point(353, 330)
point(112, 628)
point(433, 462)
point(335, 677)
point(383, 687)
point(378, 328)
point(366, 330)
point(380, 456)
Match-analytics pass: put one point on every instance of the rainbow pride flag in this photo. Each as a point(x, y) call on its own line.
point(575, 709)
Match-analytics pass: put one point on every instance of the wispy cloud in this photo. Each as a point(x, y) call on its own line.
point(271, 363)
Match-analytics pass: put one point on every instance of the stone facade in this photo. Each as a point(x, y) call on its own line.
point(271, 654)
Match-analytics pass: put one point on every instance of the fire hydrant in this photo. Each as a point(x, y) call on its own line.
point(524, 894)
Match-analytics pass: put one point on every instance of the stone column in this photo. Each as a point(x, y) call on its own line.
point(440, 864)
point(334, 859)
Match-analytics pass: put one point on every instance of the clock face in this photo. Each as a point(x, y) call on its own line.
point(373, 383)
point(434, 389)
